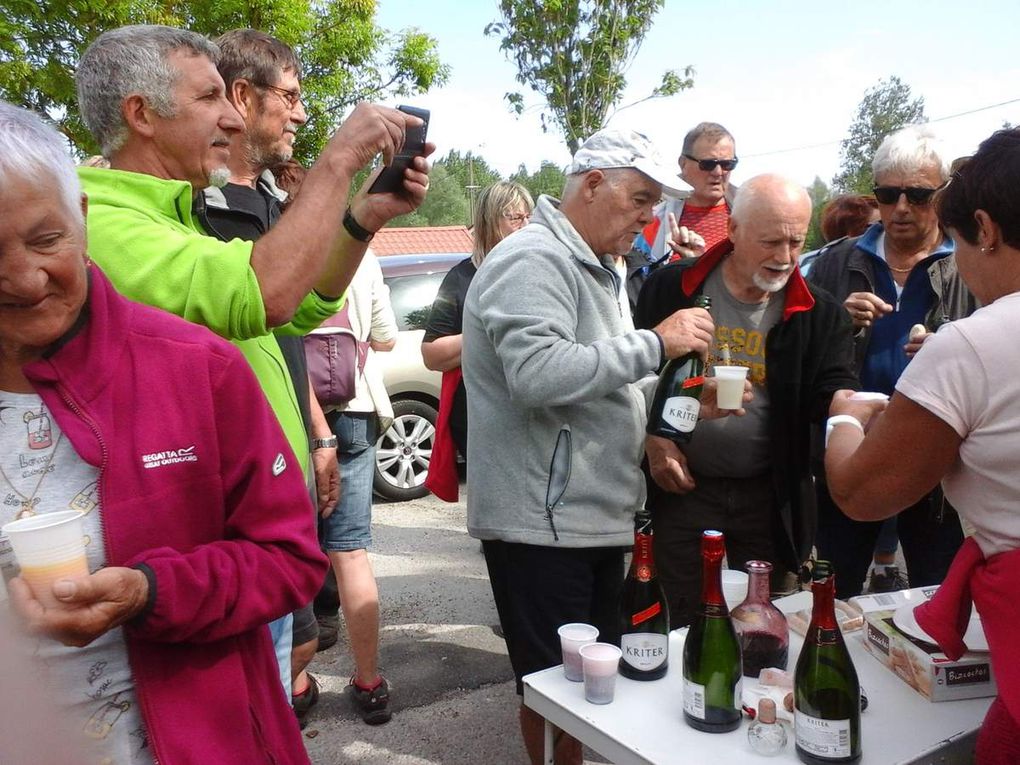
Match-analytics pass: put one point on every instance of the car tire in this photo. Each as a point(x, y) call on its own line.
point(403, 452)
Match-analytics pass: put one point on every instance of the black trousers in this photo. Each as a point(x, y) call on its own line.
point(929, 532)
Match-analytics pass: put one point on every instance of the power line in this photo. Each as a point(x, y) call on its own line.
point(834, 143)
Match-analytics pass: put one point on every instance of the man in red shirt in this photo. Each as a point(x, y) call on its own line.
point(686, 226)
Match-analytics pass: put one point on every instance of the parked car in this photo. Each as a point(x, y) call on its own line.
point(404, 450)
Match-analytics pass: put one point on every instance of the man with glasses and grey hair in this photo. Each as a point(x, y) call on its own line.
point(898, 282)
point(155, 102)
point(694, 221)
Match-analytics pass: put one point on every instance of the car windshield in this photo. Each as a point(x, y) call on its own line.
point(412, 298)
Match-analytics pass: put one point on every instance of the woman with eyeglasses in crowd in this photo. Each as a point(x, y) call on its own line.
point(960, 399)
point(500, 210)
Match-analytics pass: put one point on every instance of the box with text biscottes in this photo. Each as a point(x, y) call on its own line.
point(923, 666)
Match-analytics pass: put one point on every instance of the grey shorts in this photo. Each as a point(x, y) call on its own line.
point(306, 628)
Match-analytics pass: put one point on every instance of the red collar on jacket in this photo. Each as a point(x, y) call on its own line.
point(797, 295)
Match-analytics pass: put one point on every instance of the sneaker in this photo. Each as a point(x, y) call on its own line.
point(373, 705)
point(304, 702)
point(890, 580)
point(329, 631)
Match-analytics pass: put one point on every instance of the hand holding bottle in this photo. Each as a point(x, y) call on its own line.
point(686, 330)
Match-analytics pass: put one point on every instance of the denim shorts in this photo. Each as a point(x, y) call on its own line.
point(349, 526)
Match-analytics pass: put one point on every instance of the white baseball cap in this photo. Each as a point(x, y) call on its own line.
point(610, 149)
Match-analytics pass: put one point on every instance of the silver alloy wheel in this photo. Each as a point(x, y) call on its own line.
point(403, 452)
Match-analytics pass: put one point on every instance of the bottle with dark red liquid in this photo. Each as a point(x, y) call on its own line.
point(644, 614)
point(761, 627)
point(826, 692)
point(712, 680)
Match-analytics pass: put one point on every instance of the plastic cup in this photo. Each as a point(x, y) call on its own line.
point(600, 663)
point(864, 395)
point(572, 637)
point(48, 547)
point(734, 586)
point(730, 386)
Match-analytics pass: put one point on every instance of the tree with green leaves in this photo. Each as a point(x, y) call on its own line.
point(548, 179)
point(885, 108)
point(574, 54)
point(446, 204)
point(346, 57)
point(819, 194)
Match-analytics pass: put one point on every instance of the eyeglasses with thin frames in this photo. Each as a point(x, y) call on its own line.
point(708, 165)
point(916, 195)
point(518, 219)
point(291, 97)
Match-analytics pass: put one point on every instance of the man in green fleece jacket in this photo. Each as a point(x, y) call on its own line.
point(167, 138)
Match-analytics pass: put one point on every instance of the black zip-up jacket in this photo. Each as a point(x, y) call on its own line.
point(808, 357)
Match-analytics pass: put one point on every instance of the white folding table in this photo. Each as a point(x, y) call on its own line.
point(644, 724)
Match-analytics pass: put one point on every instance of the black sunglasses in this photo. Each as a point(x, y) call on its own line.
point(708, 165)
point(916, 195)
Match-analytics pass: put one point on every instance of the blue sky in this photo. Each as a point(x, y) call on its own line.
point(779, 75)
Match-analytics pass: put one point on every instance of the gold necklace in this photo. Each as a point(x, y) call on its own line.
point(27, 502)
point(900, 270)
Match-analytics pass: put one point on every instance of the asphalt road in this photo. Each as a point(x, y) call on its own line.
point(450, 681)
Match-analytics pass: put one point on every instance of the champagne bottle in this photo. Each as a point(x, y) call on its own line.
point(677, 400)
point(761, 627)
point(712, 680)
point(826, 693)
point(644, 614)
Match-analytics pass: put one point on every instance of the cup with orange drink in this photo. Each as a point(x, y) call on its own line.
point(48, 547)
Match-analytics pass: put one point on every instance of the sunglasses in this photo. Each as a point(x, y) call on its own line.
point(916, 195)
point(708, 165)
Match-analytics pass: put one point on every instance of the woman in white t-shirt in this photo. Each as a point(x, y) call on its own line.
point(955, 418)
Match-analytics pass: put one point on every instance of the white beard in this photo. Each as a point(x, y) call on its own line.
point(771, 285)
point(219, 177)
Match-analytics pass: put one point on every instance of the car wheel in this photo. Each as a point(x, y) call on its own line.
point(403, 452)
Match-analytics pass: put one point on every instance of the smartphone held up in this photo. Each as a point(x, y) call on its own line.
point(391, 179)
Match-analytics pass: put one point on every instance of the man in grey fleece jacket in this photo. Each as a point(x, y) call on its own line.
point(556, 422)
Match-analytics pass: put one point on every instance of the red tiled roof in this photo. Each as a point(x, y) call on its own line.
point(398, 241)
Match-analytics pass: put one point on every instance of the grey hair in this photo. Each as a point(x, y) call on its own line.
point(711, 130)
point(909, 150)
point(131, 60)
point(30, 148)
point(751, 193)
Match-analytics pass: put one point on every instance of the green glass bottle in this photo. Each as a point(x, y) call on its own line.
point(677, 401)
point(712, 678)
point(644, 613)
point(826, 692)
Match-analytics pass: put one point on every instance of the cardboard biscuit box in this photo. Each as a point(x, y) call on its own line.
point(923, 666)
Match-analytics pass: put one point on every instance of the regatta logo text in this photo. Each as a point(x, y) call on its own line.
point(169, 457)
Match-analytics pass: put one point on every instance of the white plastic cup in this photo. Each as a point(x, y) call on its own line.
point(48, 547)
point(572, 637)
point(864, 395)
point(734, 586)
point(600, 663)
point(730, 386)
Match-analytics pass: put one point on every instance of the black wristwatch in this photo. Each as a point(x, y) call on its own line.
point(355, 229)
point(324, 443)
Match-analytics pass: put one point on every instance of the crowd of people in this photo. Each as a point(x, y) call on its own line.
point(155, 301)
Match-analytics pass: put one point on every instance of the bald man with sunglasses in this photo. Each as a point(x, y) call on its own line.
point(900, 273)
point(695, 221)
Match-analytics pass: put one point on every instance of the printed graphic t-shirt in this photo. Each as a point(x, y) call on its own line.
point(91, 687)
